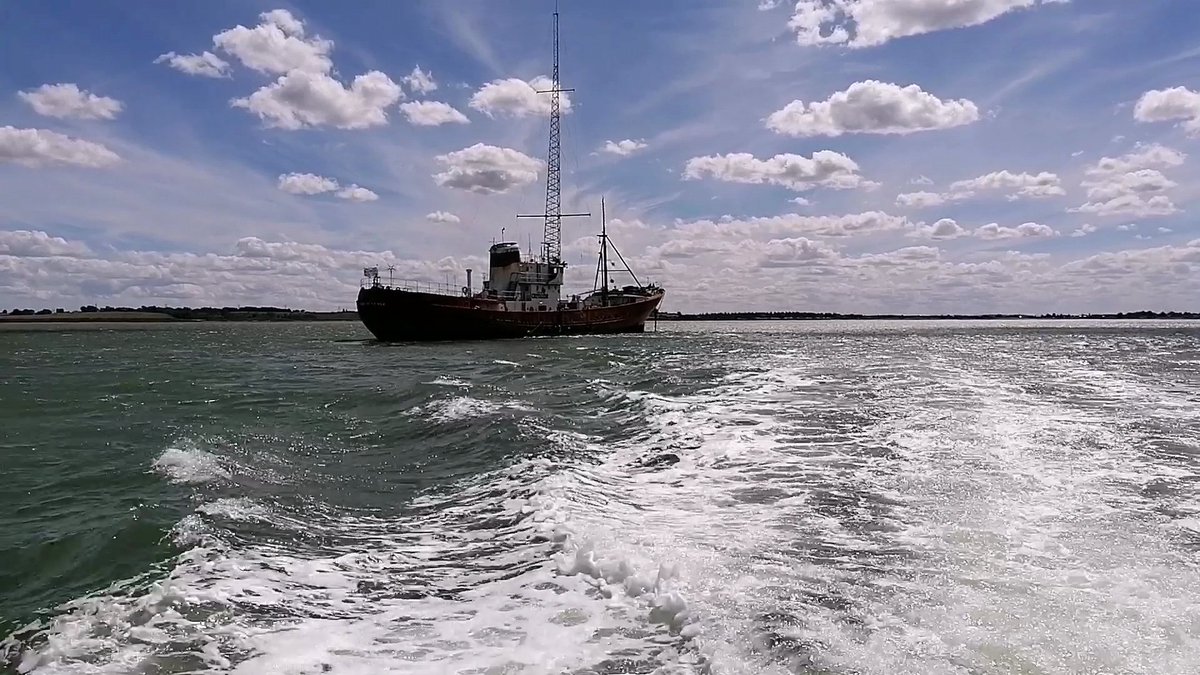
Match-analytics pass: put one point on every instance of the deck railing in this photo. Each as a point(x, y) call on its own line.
point(416, 286)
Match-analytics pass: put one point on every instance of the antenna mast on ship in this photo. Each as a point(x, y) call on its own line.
point(553, 230)
point(552, 234)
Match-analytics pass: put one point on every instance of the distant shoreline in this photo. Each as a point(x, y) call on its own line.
point(170, 315)
point(178, 315)
point(824, 316)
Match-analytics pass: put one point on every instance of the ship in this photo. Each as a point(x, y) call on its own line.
point(522, 296)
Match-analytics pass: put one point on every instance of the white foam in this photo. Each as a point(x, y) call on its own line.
point(466, 407)
point(186, 463)
point(449, 382)
point(932, 513)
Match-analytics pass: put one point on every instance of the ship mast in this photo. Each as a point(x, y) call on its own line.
point(553, 215)
point(553, 230)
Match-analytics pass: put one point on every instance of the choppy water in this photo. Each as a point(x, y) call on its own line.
point(737, 498)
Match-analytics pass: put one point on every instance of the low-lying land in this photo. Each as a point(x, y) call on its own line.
point(830, 316)
point(149, 313)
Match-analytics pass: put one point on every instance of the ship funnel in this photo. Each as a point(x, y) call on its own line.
point(468, 280)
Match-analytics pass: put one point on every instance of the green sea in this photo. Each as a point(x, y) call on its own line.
point(745, 497)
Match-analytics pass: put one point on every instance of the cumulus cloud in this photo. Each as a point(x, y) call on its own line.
point(919, 200)
point(306, 92)
point(1044, 184)
point(355, 193)
point(867, 23)
point(921, 180)
point(306, 183)
point(38, 244)
point(306, 99)
point(800, 201)
point(432, 113)
point(945, 228)
point(487, 169)
point(1132, 184)
point(420, 81)
point(312, 184)
point(1084, 230)
point(67, 100)
point(442, 217)
point(515, 97)
point(623, 148)
point(1167, 105)
point(1018, 185)
point(40, 148)
point(206, 64)
point(993, 231)
point(35, 266)
point(791, 225)
point(277, 45)
point(793, 252)
point(754, 265)
point(873, 107)
point(824, 169)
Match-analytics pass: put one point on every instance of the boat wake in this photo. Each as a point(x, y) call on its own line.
point(807, 510)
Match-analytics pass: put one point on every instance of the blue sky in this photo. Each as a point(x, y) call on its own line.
point(966, 155)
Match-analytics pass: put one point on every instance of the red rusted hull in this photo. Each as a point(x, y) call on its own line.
point(395, 315)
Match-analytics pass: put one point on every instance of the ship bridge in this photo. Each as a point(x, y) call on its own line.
point(524, 285)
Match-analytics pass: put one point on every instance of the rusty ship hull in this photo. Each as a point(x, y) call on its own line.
point(398, 315)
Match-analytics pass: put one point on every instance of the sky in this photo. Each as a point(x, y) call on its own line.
point(912, 156)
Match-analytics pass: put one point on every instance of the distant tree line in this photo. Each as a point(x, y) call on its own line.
point(240, 313)
point(832, 316)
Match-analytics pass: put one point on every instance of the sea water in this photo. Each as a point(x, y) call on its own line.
point(754, 497)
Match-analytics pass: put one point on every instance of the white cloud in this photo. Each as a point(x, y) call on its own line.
point(919, 200)
point(872, 107)
point(768, 5)
point(432, 113)
point(993, 231)
point(278, 45)
point(623, 148)
point(305, 99)
point(1084, 230)
point(800, 201)
point(420, 81)
point(306, 184)
point(792, 225)
point(68, 100)
point(867, 23)
point(442, 217)
point(1132, 184)
point(40, 147)
point(756, 264)
point(921, 180)
point(1165, 105)
point(824, 169)
point(945, 228)
point(206, 64)
point(487, 169)
point(355, 193)
point(35, 266)
point(38, 244)
point(1044, 184)
point(517, 98)
point(792, 252)
point(312, 184)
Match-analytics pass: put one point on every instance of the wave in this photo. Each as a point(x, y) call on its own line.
point(189, 464)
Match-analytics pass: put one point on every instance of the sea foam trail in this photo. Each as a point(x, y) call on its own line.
point(469, 587)
point(818, 508)
point(187, 463)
